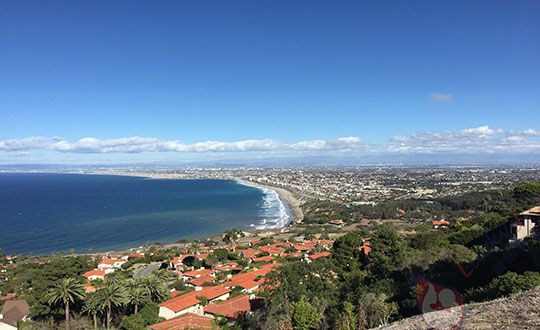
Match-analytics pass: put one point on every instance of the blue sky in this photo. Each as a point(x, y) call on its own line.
point(289, 76)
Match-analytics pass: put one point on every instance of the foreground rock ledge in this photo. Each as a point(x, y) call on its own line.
point(520, 311)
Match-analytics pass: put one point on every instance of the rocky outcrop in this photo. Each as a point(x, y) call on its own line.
point(519, 311)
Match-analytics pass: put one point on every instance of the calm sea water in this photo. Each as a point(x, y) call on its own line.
point(44, 213)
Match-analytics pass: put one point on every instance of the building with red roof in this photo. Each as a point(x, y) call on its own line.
point(199, 281)
point(231, 308)
point(185, 321)
point(250, 281)
point(318, 255)
point(263, 259)
point(111, 263)
point(95, 274)
point(249, 253)
point(232, 266)
point(272, 249)
point(189, 303)
point(187, 276)
point(440, 223)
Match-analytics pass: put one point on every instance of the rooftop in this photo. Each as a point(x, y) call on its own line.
point(231, 308)
point(185, 321)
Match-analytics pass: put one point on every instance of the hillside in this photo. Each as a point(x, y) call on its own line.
point(520, 311)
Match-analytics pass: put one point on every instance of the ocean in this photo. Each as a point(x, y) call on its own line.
point(42, 213)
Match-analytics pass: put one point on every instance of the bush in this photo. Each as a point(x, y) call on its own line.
point(149, 313)
point(511, 283)
point(133, 322)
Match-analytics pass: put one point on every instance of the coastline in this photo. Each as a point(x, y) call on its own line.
point(286, 196)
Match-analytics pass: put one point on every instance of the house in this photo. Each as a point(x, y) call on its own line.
point(189, 303)
point(228, 267)
point(262, 259)
point(185, 321)
point(188, 276)
point(96, 274)
point(366, 246)
point(13, 312)
point(249, 253)
point(272, 249)
point(111, 263)
point(317, 256)
point(250, 281)
point(136, 255)
point(232, 308)
point(200, 281)
point(527, 221)
point(440, 224)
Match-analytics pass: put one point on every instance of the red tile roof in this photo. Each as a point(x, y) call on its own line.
point(440, 223)
point(262, 259)
point(272, 249)
point(248, 253)
point(231, 308)
point(198, 273)
point(319, 255)
point(366, 248)
point(107, 261)
point(227, 267)
point(185, 321)
point(201, 280)
point(248, 280)
point(189, 299)
point(94, 272)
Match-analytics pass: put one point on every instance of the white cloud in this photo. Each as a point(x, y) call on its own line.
point(442, 97)
point(89, 145)
point(478, 131)
point(399, 138)
point(482, 139)
point(341, 144)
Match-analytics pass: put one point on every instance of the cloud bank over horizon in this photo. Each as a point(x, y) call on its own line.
point(481, 140)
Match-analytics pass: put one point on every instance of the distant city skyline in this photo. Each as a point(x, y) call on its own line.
point(174, 81)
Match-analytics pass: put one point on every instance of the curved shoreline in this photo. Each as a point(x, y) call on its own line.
point(286, 196)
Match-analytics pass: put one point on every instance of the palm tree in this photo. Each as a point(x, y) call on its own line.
point(154, 287)
point(110, 296)
point(92, 305)
point(67, 290)
point(136, 297)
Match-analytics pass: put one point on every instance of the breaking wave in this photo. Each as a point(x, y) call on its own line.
point(274, 212)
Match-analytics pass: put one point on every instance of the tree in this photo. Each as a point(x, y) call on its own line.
point(376, 310)
point(133, 322)
point(230, 236)
point(67, 291)
point(511, 283)
point(154, 287)
point(92, 306)
point(527, 191)
point(111, 296)
point(348, 319)
point(137, 296)
point(304, 316)
point(150, 313)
